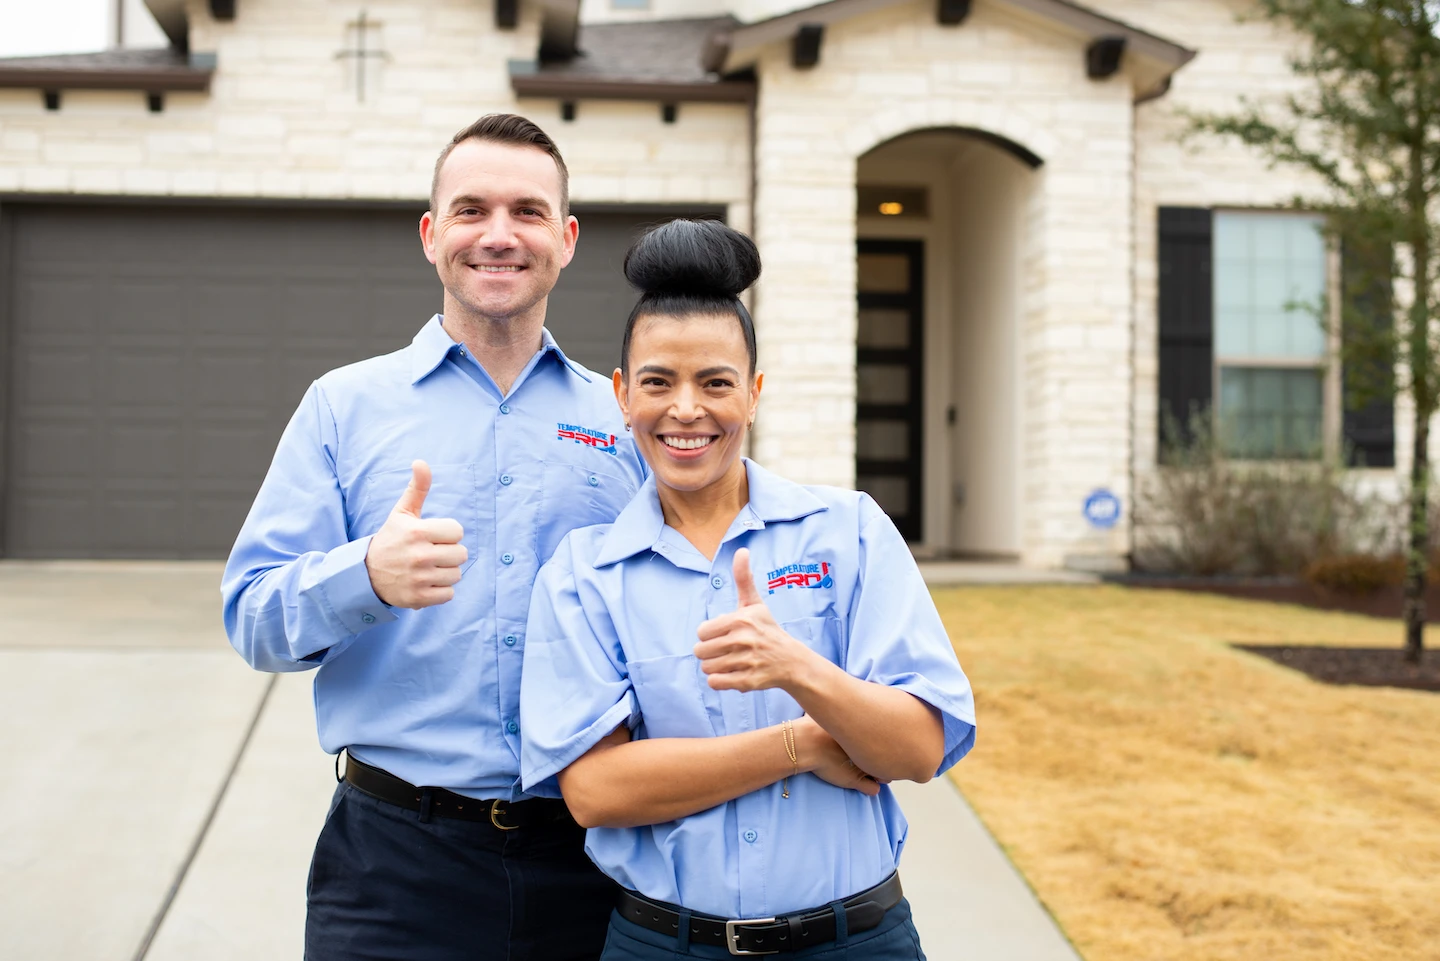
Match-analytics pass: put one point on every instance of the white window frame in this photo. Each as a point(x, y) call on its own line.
point(1331, 395)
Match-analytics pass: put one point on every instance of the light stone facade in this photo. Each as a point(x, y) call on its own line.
point(283, 122)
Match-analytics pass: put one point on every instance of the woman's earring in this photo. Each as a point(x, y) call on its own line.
point(627, 425)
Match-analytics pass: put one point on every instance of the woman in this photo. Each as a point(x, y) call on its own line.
point(726, 739)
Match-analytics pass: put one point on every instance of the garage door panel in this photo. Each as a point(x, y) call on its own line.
point(67, 303)
point(131, 304)
point(219, 380)
point(232, 454)
point(53, 376)
point(53, 450)
point(59, 519)
point(143, 376)
point(145, 523)
point(143, 453)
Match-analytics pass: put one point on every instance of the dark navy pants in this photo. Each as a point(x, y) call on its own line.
point(893, 940)
point(386, 885)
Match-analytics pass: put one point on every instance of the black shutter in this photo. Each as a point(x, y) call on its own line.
point(1187, 338)
point(1367, 279)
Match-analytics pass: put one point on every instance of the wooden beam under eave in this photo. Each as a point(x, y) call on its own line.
point(145, 81)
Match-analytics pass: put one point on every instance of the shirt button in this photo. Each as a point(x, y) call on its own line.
point(749, 835)
point(368, 618)
point(594, 481)
point(717, 582)
point(507, 558)
point(509, 640)
point(505, 479)
point(504, 408)
point(511, 727)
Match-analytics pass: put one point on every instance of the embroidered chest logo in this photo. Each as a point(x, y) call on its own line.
point(812, 576)
point(590, 438)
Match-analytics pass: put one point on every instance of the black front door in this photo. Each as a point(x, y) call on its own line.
point(889, 424)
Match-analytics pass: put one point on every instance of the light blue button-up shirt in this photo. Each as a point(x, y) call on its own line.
point(431, 696)
point(612, 628)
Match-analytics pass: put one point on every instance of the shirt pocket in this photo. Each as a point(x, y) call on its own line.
point(575, 495)
point(823, 635)
point(453, 494)
point(671, 701)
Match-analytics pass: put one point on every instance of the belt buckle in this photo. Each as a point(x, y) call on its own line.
point(732, 936)
point(497, 809)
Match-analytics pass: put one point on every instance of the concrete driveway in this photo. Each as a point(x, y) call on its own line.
point(162, 799)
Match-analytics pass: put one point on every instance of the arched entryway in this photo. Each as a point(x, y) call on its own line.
point(942, 250)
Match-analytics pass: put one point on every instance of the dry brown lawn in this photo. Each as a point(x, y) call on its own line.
point(1170, 798)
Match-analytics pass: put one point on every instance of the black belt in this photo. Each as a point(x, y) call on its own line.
point(436, 801)
point(792, 932)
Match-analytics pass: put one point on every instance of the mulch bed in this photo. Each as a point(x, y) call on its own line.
point(1387, 602)
point(1369, 666)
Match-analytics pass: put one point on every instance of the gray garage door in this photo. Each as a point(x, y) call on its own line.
point(155, 354)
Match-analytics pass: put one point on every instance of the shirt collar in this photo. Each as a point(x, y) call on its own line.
point(773, 500)
point(432, 345)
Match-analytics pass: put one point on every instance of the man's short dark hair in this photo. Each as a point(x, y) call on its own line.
point(506, 128)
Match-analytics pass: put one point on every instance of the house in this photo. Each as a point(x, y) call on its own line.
point(989, 260)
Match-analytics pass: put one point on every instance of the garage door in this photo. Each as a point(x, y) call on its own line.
point(156, 354)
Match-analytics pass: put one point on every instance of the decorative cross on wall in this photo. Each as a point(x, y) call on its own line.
point(360, 50)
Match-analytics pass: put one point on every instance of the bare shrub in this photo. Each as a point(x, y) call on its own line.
point(1205, 514)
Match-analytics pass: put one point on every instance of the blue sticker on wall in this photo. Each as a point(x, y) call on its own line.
point(1102, 509)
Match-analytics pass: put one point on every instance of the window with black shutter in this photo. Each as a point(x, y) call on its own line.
point(1186, 319)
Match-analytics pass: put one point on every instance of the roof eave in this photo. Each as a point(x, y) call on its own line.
point(146, 81)
point(622, 88)
point(734, 50)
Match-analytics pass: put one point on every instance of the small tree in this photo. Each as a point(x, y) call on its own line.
point(1367, 124)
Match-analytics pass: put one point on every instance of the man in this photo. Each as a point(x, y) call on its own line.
point(393, 547)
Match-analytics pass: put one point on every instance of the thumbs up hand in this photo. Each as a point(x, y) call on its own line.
point(415, 562)
point(746, 650)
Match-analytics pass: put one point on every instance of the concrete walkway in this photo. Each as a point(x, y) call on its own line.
point(959, 573)
point(162, 799)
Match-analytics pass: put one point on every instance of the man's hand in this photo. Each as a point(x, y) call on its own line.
point(747, 650)
point(818, 753)
point(412, 562)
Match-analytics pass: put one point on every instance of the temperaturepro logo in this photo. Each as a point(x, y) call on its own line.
point(590, 438)
point(812, 576)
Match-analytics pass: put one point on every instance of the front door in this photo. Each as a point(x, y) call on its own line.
point(889, 427)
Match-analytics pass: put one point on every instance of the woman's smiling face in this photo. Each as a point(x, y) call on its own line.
point(689, 397)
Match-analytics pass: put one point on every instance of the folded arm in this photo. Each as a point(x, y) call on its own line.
point(623, 783)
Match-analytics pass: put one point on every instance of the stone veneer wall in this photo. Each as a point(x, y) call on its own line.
point(282, 120)
point(896, 71)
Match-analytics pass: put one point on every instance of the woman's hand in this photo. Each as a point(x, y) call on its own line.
point(746, 650)
point(818, 753)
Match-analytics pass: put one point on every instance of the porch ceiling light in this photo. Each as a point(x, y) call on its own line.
point(892, 200)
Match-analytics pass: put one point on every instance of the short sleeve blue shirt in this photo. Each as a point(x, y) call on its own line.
point(611, 635)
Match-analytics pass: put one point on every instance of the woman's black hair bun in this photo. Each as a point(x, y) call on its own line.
point(697, 257)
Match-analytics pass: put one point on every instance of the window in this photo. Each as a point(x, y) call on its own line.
point(630, 4)
point(1239, 338)
point(1269, 340)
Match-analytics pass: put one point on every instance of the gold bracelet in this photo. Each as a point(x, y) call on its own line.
point(787, 734)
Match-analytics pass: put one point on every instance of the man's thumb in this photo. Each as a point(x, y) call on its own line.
point(745, 590)
point(413, 500)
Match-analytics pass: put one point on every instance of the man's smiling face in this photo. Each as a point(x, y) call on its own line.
point(498, 237)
